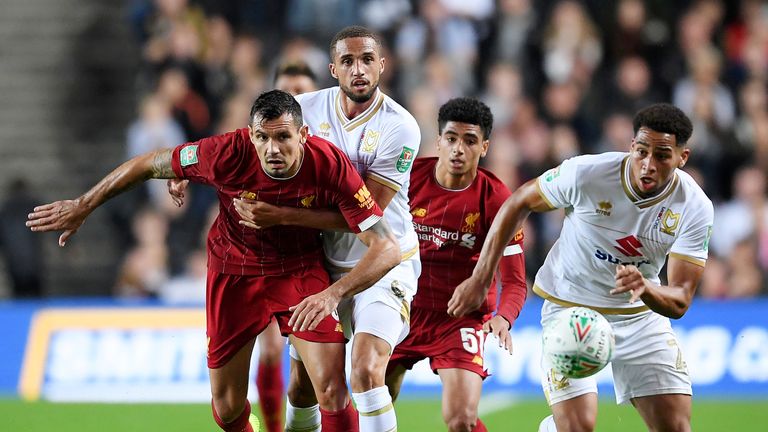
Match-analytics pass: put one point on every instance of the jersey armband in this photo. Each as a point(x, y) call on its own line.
point(512, 250)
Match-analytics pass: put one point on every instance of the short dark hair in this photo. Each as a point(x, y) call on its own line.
point(273, 104)
point(466, 110)
point(354, 32)
point(296, 68)
point(666, 118)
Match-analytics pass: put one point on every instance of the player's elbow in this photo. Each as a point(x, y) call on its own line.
point(390, 251)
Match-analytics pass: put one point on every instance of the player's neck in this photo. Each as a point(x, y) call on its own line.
point(353, 109)
point(453, 182)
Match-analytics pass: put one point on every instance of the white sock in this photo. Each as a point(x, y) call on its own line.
point(548, 425)
point(302, 419)
point(376, 411)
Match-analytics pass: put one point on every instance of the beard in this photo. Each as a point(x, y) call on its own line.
point(360, 98)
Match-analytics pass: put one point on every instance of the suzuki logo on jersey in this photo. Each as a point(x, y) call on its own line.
point(628, 246)
point(469, 222)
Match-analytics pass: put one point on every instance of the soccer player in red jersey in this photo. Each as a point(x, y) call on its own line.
point(453, 203)
point(254, 275)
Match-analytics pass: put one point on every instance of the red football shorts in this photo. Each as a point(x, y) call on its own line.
point(449, 343)
point(238, 308)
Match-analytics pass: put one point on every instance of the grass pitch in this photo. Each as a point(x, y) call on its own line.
point(413, 415)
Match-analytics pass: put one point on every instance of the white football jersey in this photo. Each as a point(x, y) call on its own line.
point(607, 223)
point(382, 143)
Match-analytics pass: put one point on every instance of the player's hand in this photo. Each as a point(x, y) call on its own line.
point(176, 188)
point(467, 297)
point(499, 327)
point(257, 214)
point(629, 279)
point(65, 215)
point(313, 309)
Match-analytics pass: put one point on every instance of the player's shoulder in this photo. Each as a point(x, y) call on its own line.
point(315, 100)
point(600, 165)
point(489, 178)
point(423, 164)
point(322, 151)
point(397, 113)
point(694, 195)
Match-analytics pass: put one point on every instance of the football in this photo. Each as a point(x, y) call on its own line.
point(578, 342)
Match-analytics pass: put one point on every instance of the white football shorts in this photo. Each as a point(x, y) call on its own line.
point(647, 360)
point(382, 310)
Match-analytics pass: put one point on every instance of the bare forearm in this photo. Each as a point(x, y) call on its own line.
point(670, 301)
point(507, 222)
point(155, 164)
point(383, 255)
point(319, 219)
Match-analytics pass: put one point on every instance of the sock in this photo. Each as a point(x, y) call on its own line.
point(302, 419)
point(548, 425)
point(479, 426)
point(376, 410)
point(240, 424)
point(342, 420)
point(269, 383)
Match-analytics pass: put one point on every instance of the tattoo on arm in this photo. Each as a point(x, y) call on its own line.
point(161, 165)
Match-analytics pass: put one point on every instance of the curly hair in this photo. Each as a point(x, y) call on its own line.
point(466, 110)
point(666, 118)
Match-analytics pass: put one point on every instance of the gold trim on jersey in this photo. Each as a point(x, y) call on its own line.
point(693, 260)
point(383, 181)
point(634, 195)
point(339, 269)
point(350, 125)
point(405, 312)
point(541, 192)
point(603, 310)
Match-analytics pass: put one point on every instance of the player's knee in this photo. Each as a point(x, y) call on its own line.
point(300, 394)
point(672, 423)
point(576, 421)
point(367, 374)
point(228, 407)
point(461, 422)
point(272, 355)
point(333, 395)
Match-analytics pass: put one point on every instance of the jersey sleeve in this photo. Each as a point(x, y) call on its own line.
point(692, 244)
point(558, 186)
point(395, 155)
point(213, 160)
point(353, 198)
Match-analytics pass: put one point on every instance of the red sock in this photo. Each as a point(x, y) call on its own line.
point(342, 420)
point(240, 424)
point(269, 383)
point(479, 427)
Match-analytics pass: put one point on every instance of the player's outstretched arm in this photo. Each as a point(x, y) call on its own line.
point(69, 215)
point(382, 255)
point(671, 300)
point(469, 295)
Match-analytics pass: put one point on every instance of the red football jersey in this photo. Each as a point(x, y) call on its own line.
point(452, 225)
point(229, 162)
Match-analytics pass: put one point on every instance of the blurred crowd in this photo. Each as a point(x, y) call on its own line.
point(562, 77)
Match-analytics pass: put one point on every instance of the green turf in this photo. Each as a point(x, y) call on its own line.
point(413, 415)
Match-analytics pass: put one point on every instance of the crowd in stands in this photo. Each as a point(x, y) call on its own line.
point(563, 77)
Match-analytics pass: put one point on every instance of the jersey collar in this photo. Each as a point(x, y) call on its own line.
point(634, 195)
point(362, 118)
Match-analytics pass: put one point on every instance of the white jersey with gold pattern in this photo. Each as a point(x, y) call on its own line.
point(607, 223)
point(382, 143)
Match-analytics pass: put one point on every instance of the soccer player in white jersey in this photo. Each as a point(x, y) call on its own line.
point(381, 139)
point(625, 214)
